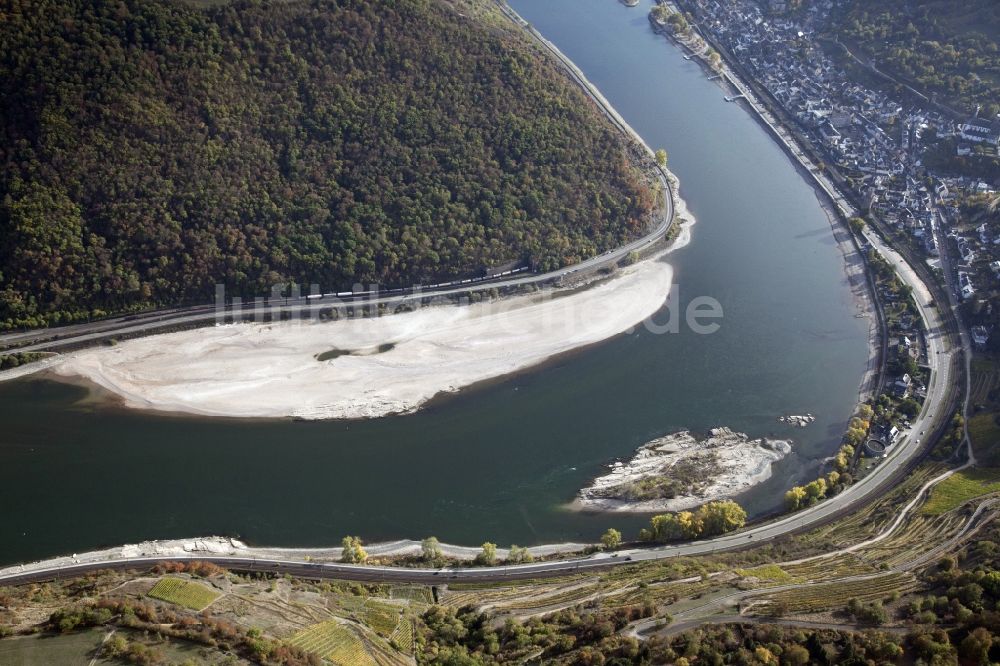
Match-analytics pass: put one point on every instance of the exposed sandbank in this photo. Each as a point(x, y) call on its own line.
point(717, 467)
point(272, 370)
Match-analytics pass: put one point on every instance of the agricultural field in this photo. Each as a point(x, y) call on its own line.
point(416, 594)
point(835, 595)
point(334, 641)
point(871, 519)
point(186, 593)
point(961, 487)
point(558, 598)
point(921, 537)
point(985, 399)
point(76, 648)
point(459, 596)
point(382, 618)
point(985, 435)
point(768, 573)
point(984, 379)
point(826, 568)
point(402, 636)
point(524, 598)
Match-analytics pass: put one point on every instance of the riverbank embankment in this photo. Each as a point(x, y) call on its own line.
point(739, 88)
point(216, 546)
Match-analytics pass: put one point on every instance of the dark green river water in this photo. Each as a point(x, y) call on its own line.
point(496, 463)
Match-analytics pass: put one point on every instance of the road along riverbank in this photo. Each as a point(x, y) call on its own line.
point(674, 209)
point(789, 344)
point(373, 367)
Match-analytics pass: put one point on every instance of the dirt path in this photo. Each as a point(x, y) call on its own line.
point(97, 653)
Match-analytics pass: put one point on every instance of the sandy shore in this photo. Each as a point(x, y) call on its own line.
point(390, 364)
point(717, 467)
point(856, 273)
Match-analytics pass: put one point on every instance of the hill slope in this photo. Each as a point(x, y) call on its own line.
point(942, 47)
point(152, 149)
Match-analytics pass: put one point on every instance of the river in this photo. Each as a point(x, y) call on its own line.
point(496, 463)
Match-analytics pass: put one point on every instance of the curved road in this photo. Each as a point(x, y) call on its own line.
point(933, 417)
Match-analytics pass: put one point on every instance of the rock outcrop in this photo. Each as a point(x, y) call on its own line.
point(680, 471)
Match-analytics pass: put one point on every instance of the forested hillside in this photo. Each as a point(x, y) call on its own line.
point(944, 47)
point(150, 149)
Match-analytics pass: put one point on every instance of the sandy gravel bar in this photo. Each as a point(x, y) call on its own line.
point(272, 370)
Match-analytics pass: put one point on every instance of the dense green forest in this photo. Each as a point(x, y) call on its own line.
point(151, 149)
point(942, 47)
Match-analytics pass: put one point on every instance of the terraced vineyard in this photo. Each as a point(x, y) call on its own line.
point(984, 379)
point(483, 596)
point(872, 519)
point(985, 434)
point(381, 617)
point(186, 593)
point(402, 636)
point(348, 604)
point(526, 582)
point(768, 573)
point(335, 642)
point(556, 599)
point(844, 564)
point(920, 535)
point(961, 487)
point(657, 573)
point(417, 594)
point(828, 596)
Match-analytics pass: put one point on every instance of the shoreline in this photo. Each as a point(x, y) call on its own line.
point(717, 466)
point(859, 282)
point(855, 266)
point(105, 392)
point(306, 550)
point(273, 371)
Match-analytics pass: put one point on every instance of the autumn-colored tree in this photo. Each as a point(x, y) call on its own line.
point(816, 490)
point(352, 552)
point(519, 555)
point(488, 555)
point(710, 519)
point(611, 539)
point(795, 498)
point(430, 548)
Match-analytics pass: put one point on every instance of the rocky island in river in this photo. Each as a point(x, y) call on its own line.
point(680, 471)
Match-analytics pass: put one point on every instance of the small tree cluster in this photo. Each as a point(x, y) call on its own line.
point(353, 553)
point(430, 548)
point(709, 519)
point(611, 539)
point(800, 497)
point(519, 555)
point(488, 555)
point(872, 613)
